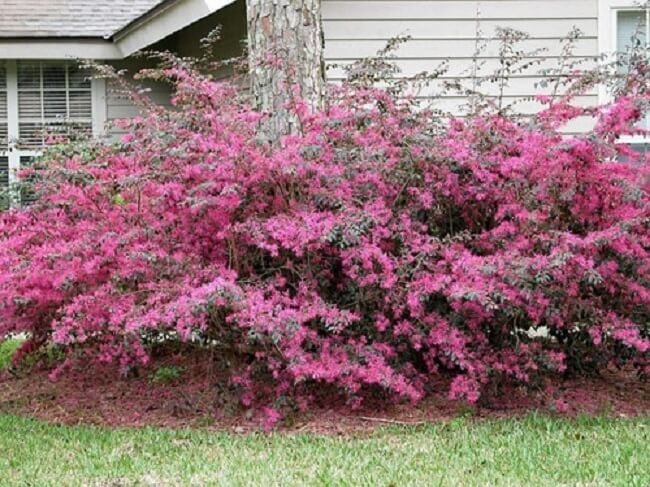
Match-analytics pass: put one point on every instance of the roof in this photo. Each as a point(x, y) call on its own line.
point(69, 18)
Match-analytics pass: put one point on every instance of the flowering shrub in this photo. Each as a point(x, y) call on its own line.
point(369, 252)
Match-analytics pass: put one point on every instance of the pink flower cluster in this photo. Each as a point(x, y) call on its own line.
point(369, 252)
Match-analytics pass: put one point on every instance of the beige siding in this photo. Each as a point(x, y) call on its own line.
point(447, 29)
point(120, 106)
point(440, 30)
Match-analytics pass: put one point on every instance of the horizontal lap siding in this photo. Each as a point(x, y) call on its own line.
point(458, 68)
point(120, 106)
point(446, 29)
point(440, 30)
point(457, 9)
point(540, 28)
point(461, 48)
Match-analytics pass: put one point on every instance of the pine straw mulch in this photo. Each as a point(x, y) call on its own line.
point(196, 400)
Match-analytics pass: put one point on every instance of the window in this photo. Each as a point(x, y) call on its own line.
point(38, 99)
point(631, 24)
point(620, 22)
point(52, 97)
point(632, 28)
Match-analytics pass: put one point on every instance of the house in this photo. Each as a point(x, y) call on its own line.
point(41, 85)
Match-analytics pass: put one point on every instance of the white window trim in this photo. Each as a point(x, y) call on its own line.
point(98, 106)
point(607, 35)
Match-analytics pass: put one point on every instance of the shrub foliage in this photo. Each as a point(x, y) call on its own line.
point(375, 251)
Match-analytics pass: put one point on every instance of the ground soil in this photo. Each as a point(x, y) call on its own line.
point(101, 397)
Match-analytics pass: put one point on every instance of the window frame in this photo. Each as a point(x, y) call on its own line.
point(13, 153)
point(608, 11)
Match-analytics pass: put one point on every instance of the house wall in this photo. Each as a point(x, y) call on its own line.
point(119, 105)
point(232, 20)
point(440, 29)
point(448, 30)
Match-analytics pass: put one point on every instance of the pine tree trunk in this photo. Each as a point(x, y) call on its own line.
point(285, 42)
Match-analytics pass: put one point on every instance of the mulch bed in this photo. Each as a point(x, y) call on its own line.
point(101, 397)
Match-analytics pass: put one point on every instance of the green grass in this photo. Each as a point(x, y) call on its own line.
point(7, 350)
point(536, 450)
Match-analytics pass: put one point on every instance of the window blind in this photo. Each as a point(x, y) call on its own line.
point(4, 131)
point(53, 98)
point(4, 135)
point(4, 182)
point(4, 171)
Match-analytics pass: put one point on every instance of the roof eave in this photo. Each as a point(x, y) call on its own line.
point(165, 19)
point(58, 48)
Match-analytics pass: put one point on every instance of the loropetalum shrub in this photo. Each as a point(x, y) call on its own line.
point(369, 253)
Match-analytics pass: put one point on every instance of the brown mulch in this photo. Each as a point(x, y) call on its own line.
point(101, 397)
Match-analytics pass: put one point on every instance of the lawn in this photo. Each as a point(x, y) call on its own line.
point(7, 349)
point(536, 450)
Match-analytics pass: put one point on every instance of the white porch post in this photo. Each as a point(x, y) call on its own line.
point(98, 106)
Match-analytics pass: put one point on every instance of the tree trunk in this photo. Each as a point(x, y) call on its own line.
point(285, 42)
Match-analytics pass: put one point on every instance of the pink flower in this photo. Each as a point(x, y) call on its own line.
point(370, 254)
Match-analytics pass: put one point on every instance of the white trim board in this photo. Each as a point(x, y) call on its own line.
point(99, 107)
point(58, 49)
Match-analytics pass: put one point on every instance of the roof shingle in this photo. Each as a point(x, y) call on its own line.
point(69, 18)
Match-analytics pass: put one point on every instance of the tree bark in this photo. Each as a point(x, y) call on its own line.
point(285, 42)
